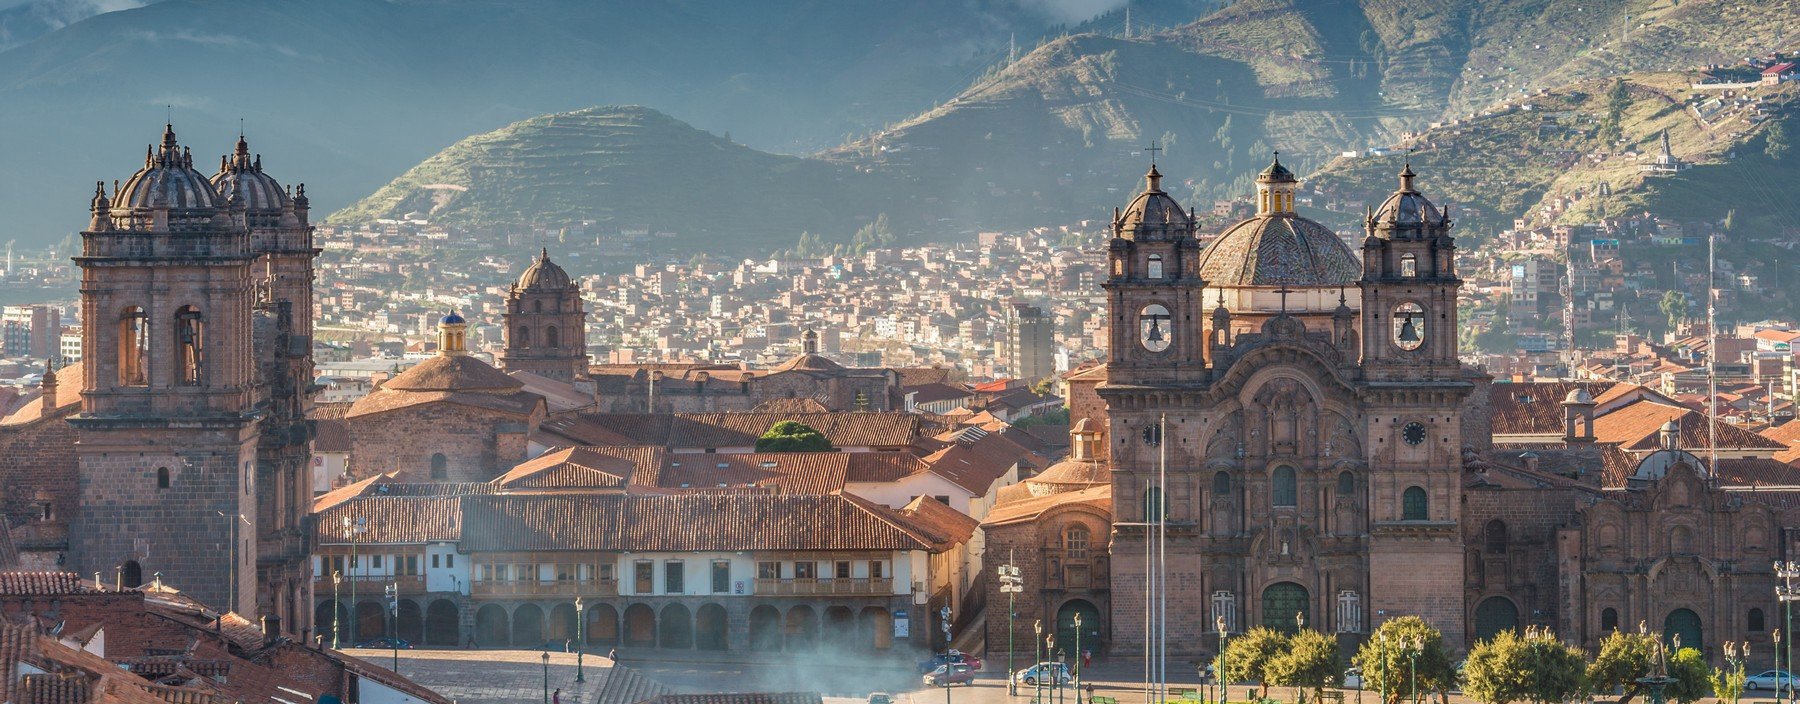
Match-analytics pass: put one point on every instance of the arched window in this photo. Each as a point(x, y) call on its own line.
point(1409, 265)
point(189, 344)
point(162, 477)
point(1154, 268)
point(537, 306)
point(551, 338)
point(1154, 508)
point(1609, 620)
point(1412, 504)
point(1075, 542)
point(522, 337)
point(1286, 491)
point(134, 347)
point(1755, 622)
point(1221, 485)
point(1496, 537)
point(1346, 485)
point(440, 466)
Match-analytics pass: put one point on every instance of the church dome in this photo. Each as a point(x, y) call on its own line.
point(243, 175)
point(544, 274)
point(1407, 206)
point(1275, 172)
point(454, 318)
point(1153, 213)
point(1278, 250)
point(168, 179)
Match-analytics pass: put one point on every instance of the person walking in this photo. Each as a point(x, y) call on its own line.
point(1087, 657)
point(557, 697)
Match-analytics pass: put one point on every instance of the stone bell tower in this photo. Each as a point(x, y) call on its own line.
point(1153, 291)
point(546, 325)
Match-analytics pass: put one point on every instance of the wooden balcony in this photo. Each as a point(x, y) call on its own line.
point(537, 588)
point(365, 584)
point(825, 587)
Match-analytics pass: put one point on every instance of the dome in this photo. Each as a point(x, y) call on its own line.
point(243, 175)
point(1579, 397)
point(453, 319)
point(810, 362)
point(544, 274)
point(1407, 206)
point(169, 179)
point(1277, 250)
point(1153, 213)
point(1073, 471)
point(1276, 173)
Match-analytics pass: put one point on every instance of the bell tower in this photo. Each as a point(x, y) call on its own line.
point(1409, 287)
point(546, 325)
point(1153, 288)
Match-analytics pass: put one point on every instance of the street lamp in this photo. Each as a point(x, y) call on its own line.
point(350, 531)
point(1037, 658)
point(393, 599)
point(1381, 647)
point(1418, 644)
point(580, 639)
point(944, 618)
point(1300, 625)
point(1078, 651)
point(1219, 676)
point(337, 609)
point(1787, 595)
point(546, 677)
point(1062, 665)
point(1011, 584)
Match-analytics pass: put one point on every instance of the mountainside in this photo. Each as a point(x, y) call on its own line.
point(31, 19)
point(626, 167)
point(346, 94)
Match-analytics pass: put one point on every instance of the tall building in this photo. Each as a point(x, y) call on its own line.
point(1030, 342)
point(546, 326)
point(31, 331)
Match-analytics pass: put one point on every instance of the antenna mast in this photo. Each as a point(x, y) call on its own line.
point(1712, 364)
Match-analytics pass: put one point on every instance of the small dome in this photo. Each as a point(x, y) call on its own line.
point(544, 274)
point(1276, 173)
point(1153, 213)
point(1407, 206)
point(241, 174)
point(1579, 397)
point(168, 179)
point(453, 319)
point(1277, 250)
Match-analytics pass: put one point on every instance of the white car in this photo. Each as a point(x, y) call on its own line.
point(1042, 671)
point(1770, 679)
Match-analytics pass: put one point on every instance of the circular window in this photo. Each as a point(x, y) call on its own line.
point(1413, 433)
point(1409, 326)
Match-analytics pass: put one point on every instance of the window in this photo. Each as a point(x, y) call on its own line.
point(1412, 504)
point(537, 306)
point(1224, 607)
point(942, 499)
point(1285, 490)
point(134, 347)
point(606, 572)
point(450, 560)
point(1409, 265)
point(721, 576)
point(374, 562)
point(189, 338)
point(1346, 487)
point(1756, 621)
point(162, 477)
point(674, 577)
point(1495, 537)
point(806, 570)
point(768, 570)
point(551, 338)
point(522, 337)
point(841, 570)
point(1609, 620)
point(440, 466)
point(643, 577)
point(435, 562)
point(1155, 268)
point(1075, 542)
point(1154, 507)
point(407, 565)
point(1221, 485)
point(877, 569)
point(1349, 615)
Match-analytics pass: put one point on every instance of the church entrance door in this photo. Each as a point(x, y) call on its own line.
point(1494, 615)
point(1686, 624)
point(1284, 606)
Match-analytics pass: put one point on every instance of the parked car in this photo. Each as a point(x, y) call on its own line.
point(1353, 679)
point(1770, 679)
point(955, 656)
point(957, 673)
point(386, 643)
point(1042, 672)
point(880, 698)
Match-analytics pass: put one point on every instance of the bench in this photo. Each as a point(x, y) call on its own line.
point(1334, 696)
point(1104, 700)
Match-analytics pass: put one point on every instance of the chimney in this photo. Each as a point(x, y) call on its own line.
point(1531, 460)
point(271, 628)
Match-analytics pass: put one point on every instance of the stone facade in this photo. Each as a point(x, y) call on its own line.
point(545, 324)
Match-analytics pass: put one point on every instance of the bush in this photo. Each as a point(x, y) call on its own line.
point(790, 436)
point(1693, 678)
point(1623, 658)
point(1247, 657)
point(1311, 661)
point(1386, 666)
point(1535, 667)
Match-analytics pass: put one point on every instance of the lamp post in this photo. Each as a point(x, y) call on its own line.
point(1381, 647)
point(1219, 676)
point(1062, 665)
point(1300, 625)
point(1777, 635)
point(546, 677)
point(337, 606)
point(1078, 651)
point(1037, 658)
point(350, 531)
point(949, 667)
point(580, 638)
point(393, 599)
point(1011, 584)
point(1418, 644)
point(1787, 595)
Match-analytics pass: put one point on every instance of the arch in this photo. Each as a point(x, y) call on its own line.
point(552, 338)
point(1754, 621)
point(801, 630)
point(840, 627)
point(1412, 504)
point(602, 625)
point(765, 628)
point(492, 626)
point(1075, 541)
point(1493, 615)
point(1684, 624)
point(409, 621)
point(1281, 602)
point(875, 626)
point(442, 622)
point(1221, 484)
point(327, 617)
point(521, 336)
point(1285, 489)
point(1494, 537)
point(371, 620)
point(162, 478)
point(676, 628)
point(134, 347)
point(1065, 626)
point(640, 626)
point(1409, 265)
point(561, 626)
point(1346, 484)
point(440, 466)
point(1609, 620)
point(190, 341)
point(712, 631)
point(1154, 507)
point(528, 625)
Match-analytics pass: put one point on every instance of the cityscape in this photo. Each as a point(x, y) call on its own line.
point(1033, 351)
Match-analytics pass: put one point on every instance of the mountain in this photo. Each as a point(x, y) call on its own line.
point(346, 94)
point(24, 21)
point(627, 167)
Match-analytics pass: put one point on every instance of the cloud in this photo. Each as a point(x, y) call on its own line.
point(1073, 11)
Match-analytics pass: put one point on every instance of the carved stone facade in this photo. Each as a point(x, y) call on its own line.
point(545, 324)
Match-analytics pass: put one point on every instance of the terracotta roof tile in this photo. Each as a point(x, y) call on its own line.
point(569, 468)
point(1099, 497)
point(684, 522)
point(716, 430)
point(777, 472)
point(42, 583)
point(391, 520)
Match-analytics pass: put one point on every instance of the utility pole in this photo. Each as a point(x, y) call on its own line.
point(1011, 584)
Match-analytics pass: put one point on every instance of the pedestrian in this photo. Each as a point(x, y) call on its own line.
point(613, 655)
point(1090, 692)
point(471, 641)
point(557, 697)
point(1087, 657)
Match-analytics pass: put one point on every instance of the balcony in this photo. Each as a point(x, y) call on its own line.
point(536, 587)
point(824, 587)
point(370, 584)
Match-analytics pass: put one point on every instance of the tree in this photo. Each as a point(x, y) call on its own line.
point(1728, 681)
point(791, 436)
point(1623, 658)
point(1535, 667)
point(1311, 662)
point(1386, 663)
point(1675, 306)
point(1775, 141)
point(1692, 676)
point(1247, 657)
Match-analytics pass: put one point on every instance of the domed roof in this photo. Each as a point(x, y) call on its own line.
point(1276, 250)
point(453, 373)
point(1073, 471)
point(1153, 212)
point(1407, 206)
point(1275, 173)
point(810, 362)
point(544, 274)
point(167, 179)
point(243, 175)
point(1579, 396)
point(454, 318)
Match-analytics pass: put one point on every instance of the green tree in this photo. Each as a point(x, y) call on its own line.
point(1692, 676)
point(1675, 307)
point(1535, 667)
point(1623, 658)
point(791, 436)
point(1310, 662)
point(1386, 662)
point(1775, 141)
point(1728, 681)
point(1247, 657)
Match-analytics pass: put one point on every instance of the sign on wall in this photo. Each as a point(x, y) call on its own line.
point(902, 628)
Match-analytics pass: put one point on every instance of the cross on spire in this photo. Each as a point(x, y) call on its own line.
point(1153, 149)
point(1284, 291)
